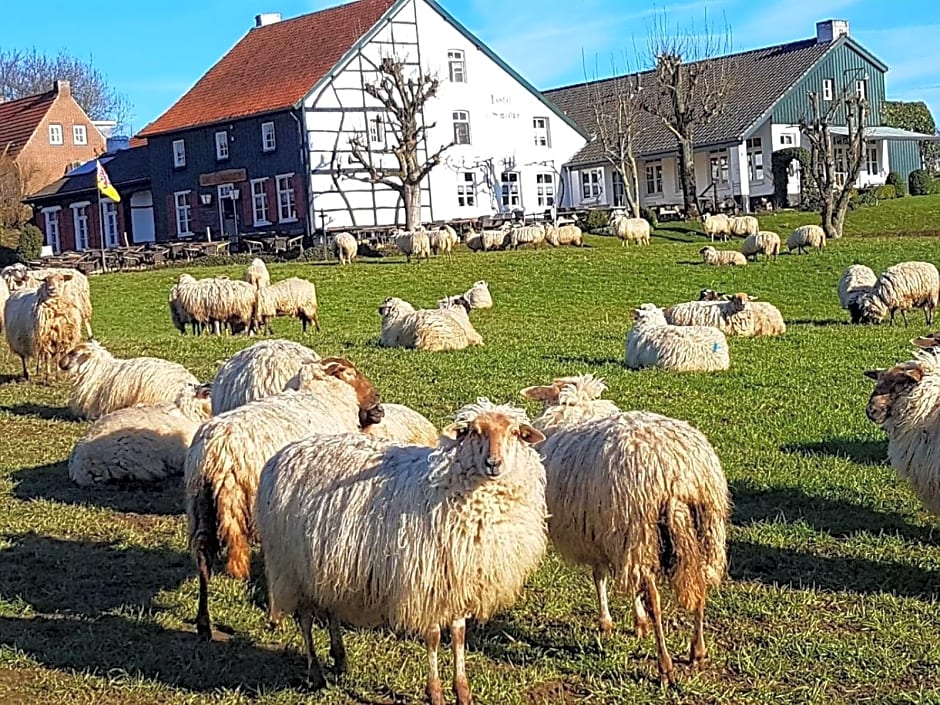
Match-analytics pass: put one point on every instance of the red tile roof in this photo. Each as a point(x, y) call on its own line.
point(20, 118)
point(272, 67)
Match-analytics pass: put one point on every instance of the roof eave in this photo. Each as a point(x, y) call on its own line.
point(196, 126)
point(58, 195)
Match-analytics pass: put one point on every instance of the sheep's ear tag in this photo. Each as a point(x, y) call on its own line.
point(874, 374)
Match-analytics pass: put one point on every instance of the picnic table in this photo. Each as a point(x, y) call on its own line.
point(273, 243)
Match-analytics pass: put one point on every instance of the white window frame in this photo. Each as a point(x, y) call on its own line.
point(755, 154)
point(654, 178)
point(545, 189)
point(259, 202)
point(861, 89)
point(80, 223)
point(719, 164)
point(179, 154)
point(184, 213)
point(457, 65)
point(543, 135)
point(53, 229)
point(55, 134)
point(221, 146)
point(787, 139)
point(592, 184)
point(268, 137)
point(109, 220)
point(510, 194)
point(828, 89)
point(79, 135)
point(286, 199)
point(461, 118)
point(873, 157)
point(466, 189)
point(376, 130)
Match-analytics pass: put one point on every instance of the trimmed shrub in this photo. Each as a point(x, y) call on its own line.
point(894, 179)
point(29, 245)
point(596, 220)
point(920, 182)
point(935, 186)
point(885, 192)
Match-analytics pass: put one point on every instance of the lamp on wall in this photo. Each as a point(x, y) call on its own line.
point(206, 198)
point(235, 194)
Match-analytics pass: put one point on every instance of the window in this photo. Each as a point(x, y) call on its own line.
point(221, 145)
point(458, 67)
point(55, 134)
point(268, 137)
point(509, 189)
point(179, 154)
point(540, 126)
point(755, 159)
point(678, 164)
point(377, 131)
point(109, 216)
point(286, 200)
point(545, 189)
point(871, 160)
point(654, 178)
point(79, 134)
point(861, 89)
point(466, 189)
point(719, 166)
point(259, 202)
point(184, 220)
point(461, 127)
point(52, 229)
point(787, 139)
point(620, 193)
point(591, 181)
point(827, 89)
point(80, 219)
point(840, 154)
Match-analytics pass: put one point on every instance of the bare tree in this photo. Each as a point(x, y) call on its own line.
point(688, 88)
point(834, 172)
point(14, 186)
point(403, 99)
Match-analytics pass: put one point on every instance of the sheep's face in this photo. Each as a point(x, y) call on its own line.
point(891, 390)
point(392, 308)
point(739, 302)
point(53, 285)
point(649, 313)
point(492, 439)
point(548, 395)
point(76, 358)
point(370, 406)
point(872, 309)
point(706, 251)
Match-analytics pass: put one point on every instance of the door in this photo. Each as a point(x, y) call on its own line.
point(228, 215)
point(142, 227)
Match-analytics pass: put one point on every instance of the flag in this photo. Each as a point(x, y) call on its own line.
point(104, 183)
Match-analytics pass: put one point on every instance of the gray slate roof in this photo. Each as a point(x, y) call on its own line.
point(758, 79)
point(125, 167)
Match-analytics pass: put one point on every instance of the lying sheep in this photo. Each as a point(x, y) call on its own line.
point(404, 426)
point(765, 243)
point(806, 236)
point(443, 240)
point(569, 401)
point(256, 274)
point(294, 298)
point(630, 229)
point(900, 288)
point(75, 286)
point(654, 343)
point(434, 330)
point(477, 296)
point(716, 258)
point(142, 443)
point(743, 225)
point(413, 538)
point(856, 283)
point(718, 224)
point(561, 235)
point(345, 248)
point(103, 383)
point(740, 316)
point(228, 452)
point(260, 370)
point(414, 244)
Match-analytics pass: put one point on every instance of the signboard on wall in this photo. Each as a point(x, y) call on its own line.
point(228, 176)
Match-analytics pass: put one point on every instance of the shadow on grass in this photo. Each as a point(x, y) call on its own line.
point(583, 360)
point(39, 411)
point(825, 323)
point(11, 379)
point(861, 451)
point(51, 482)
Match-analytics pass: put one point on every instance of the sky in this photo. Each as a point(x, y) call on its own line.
point(153, 52)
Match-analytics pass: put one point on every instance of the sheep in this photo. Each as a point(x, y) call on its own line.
point(765, 242)
point(630, 229)
point(345, 248)
point(415, 243)
point(526, 235)
point(740, 316)
point(403, 425)
point(712, 295)
point(142, 443)
point(561, 235)
point(857, 281)
point(443, 240)
point(18, 277)
point(487, 240)
point(293, 297)
point(256, 274)
point(180, 316)
point(638, 497)
point(43, 323)
point(103, 383)
point(260, 370)
point(214, 302)
point(455, 301)
point(434, 330)
point(743, 225)
point(4, 295)
point(478, 295)
point(654, 343)
point(900, 288)
point(568, 401)
point(413, 538)
point(718, 224)
point(806, 236)
point(717, 258)
point(227, 453)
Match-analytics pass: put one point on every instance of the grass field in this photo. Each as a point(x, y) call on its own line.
point(834, 566)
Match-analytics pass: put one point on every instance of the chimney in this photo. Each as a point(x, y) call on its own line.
point(266, 18)
point(828, 31)
point(63, 88)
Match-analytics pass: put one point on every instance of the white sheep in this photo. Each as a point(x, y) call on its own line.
point(345, 248)
point(181, 316)
point(142, 443)
point(258, 371)
point(488, 239)
point(718, 224)
point(403, 425)
point(739, 315)
point(227, 453)
point(256, 274)
point(75, 286)
point(560, 235)
point(640, 498)
point(901, 288)
point(4, 295)
point(630, 229)
point(856, 282)
point(568, 401)
point(417, 539)
point(743, 225)
point(415, 243)
point(806, 236)
point(765, 242)
point(214, 302)
point(425, 329)
point(526, 235)
point(715, 257)
point(443, 240)
point(478, 295)
point(294, 298)
point(654, 343)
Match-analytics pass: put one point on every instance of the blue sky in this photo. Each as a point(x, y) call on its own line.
point(153, 52)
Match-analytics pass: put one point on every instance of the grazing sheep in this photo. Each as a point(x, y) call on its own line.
point(526, 235)
point(900, 288)
point(434, 330)
point(416, 244)
point(228, 452)
point(568, 401)
point(806, 236)
point(43, 323)
point(743, 225)
point(716, 258)
point(142, 443)
point(560, 235)
point(443, 240)
point(18, 277)
point(856, 283)
point(214, 302)
point(345, 248)
point(765, 242)
point(260, 370)
point(740, 316)
point(487, 240)
point(654, 343)
point(180, 316)
point(257, 274)
point(403, 425)
point(103, 383)
point(640, 498)
point(630, 229)
point(413, 538)
point(294, 298)
point(718, 224)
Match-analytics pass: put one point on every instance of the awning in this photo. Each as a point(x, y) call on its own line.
point(883, 132)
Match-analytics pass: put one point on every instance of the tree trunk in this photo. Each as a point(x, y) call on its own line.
point(687, 179)
point(832, 218)
point(411, 195)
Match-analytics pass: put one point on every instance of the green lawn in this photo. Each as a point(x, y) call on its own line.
point(834, 566)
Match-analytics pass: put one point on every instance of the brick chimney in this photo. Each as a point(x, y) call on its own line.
point(828, 31)
point(63, 88)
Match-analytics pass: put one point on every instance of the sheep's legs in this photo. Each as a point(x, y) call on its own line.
point(697, 651)
point(604, 621)
point(904, 317)
point(25, 370)
point(928, 314)
point(641, 620)
point(652, 601)
point(337, 647)
point(432, 641)
point(458, 640)
point(203, 621)
point(314, 672)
